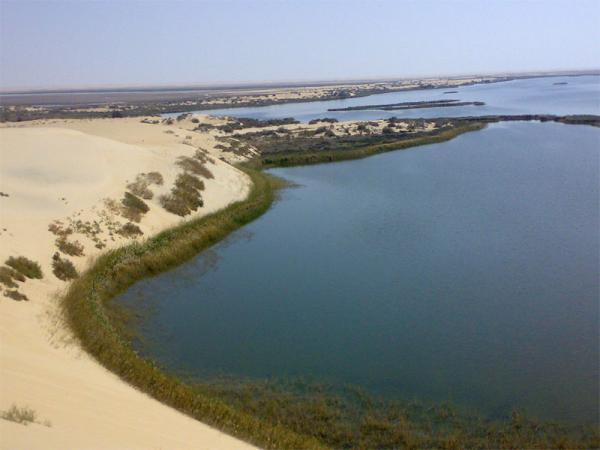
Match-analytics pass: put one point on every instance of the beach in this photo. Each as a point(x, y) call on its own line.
point(72, 174)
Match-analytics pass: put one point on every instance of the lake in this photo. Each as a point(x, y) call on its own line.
point(581, 95)
point(464, 271)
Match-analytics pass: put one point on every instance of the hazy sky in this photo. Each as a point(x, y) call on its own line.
point(74, 43)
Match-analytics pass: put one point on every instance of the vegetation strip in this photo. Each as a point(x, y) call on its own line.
point(286, 159)
point(101, 330)
point(409, 105)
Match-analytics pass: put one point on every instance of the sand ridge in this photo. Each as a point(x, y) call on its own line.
point(65, 171)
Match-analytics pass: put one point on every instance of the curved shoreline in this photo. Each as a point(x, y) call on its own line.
point(87, 304)
point(88, 313)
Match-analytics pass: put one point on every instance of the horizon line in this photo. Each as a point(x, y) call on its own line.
point(215, 85)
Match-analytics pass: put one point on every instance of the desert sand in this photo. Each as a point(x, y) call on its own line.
point(69, 171)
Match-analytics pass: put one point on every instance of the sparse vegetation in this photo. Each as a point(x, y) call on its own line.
point(25, 266)
point(57, 229)
point(410, 105)
point(63, 269)
point(23, 415)
point(15, 295)
point(324, 119)
point(185, 195)
point(133, 208)
point(143, 181)
point(8, 277)
point(71, 248)
point(130, 230)
point(195, 166)
point(154, 178)
point(313, 148)
point(245, 122)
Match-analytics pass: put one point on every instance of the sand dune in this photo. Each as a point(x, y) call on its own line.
point(64, 170)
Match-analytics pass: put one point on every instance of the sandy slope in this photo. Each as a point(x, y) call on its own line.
point(63, 170)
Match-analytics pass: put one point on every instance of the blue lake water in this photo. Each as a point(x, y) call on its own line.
point(463, 271)
point(527, 96)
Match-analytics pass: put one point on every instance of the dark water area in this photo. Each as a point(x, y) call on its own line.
point(581, 95)
point(465, 271)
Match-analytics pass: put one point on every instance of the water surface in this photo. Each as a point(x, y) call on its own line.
point(581, 95)
point(463, 271)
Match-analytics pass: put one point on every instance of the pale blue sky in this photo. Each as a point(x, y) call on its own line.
point(76, 43)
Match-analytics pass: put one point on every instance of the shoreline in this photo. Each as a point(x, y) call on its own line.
point(86, 306)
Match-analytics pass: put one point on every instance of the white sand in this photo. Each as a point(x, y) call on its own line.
point(63, 170)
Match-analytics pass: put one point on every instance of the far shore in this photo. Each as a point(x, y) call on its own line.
point(131, 102)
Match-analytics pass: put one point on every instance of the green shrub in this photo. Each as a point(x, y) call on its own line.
point(63, 269)
point(27, 267)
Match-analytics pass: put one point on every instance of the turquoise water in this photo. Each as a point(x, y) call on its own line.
point(528, 96)
point(463, 271)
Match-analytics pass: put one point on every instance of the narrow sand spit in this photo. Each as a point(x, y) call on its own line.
point(64, 171)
